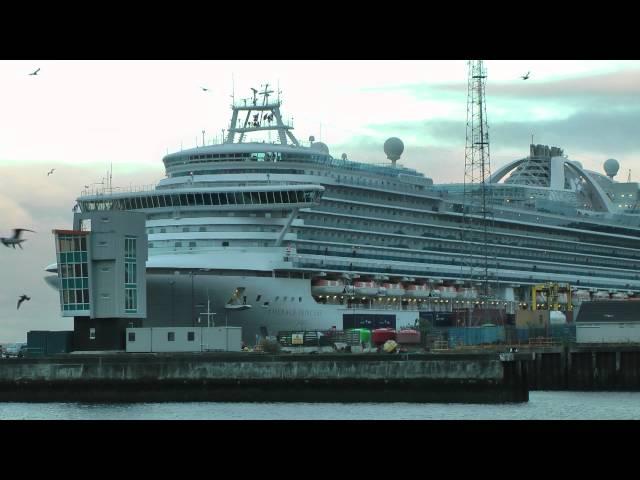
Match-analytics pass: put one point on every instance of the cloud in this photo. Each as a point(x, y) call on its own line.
point(625, 83)
point(30, 199)
point(600, 132)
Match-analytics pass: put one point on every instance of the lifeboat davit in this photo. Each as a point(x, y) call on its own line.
point(601, 295)
point(327, 287)
point(366, 288)
point(394, 289)
point(417, 291)
point(620, 296)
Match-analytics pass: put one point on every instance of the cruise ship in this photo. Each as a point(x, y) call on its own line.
point(281, 235)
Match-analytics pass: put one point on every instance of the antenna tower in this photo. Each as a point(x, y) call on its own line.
point(477, 170)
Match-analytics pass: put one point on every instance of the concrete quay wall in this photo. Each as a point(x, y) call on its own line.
point(261, 377)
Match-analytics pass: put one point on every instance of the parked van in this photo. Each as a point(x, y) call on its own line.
point(15, 350)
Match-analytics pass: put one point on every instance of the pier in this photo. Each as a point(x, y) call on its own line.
point(251, 377)
point(613, 367)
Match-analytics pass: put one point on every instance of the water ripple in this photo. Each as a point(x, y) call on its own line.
point(541, 406)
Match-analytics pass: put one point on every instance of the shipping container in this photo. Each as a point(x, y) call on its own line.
point(476, 335)
point(381, 335)
point(408, 337)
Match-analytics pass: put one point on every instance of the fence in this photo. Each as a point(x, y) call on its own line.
point(448, 337)
point(456, 337)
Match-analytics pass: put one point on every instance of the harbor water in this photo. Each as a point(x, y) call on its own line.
point(542, 405)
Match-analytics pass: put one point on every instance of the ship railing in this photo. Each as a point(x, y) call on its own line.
point(107, 191)
point(397, 306)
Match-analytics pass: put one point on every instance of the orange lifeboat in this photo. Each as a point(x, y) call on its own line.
point(394, 289)
point(447, 292)
point(366, 288)
point(327, 287)
point(417, 291)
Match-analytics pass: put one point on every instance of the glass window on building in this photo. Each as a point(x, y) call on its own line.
point(129, 272)
point(130, 247)
point(73, 272)
point(131, 300)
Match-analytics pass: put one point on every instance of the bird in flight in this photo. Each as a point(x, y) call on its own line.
point(15, 240)
point(35, 73)
point(21, 299)
point(204, 89)
point(50, 172)
point(525, 77)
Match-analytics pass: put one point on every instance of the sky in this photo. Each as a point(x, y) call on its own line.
point(81, 117)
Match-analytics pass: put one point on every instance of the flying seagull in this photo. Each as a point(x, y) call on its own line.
point(204, 89)
point(35, 73)
point(525, 77)
point(21, 299)
point(50, 172)
point(15, 240)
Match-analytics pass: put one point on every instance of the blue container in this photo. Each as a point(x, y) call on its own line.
point(476, 335)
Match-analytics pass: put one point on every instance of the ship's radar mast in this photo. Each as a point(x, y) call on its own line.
point(265, 117)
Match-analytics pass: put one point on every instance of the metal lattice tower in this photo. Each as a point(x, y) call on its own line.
point(477, 170)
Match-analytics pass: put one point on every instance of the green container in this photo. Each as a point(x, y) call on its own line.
point(365, 335)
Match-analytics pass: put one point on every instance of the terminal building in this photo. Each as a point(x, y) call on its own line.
point(102, 277)
point(608, 322)
point(103, 286)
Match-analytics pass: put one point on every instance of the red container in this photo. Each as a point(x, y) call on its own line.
point(381, 335)
point(408, 337)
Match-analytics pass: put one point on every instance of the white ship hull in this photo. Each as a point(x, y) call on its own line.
point(284, 304)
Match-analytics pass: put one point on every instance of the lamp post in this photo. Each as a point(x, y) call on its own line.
point(193, 306)
point(173, 308)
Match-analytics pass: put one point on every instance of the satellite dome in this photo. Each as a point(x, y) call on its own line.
point(312, 139)
point(611, 167)
point(393, 147)
point(344, 156)
point(320, 147)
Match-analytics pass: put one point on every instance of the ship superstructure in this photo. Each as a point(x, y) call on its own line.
point(280, 236)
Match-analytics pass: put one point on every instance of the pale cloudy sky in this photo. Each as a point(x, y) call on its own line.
point(80, 116)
